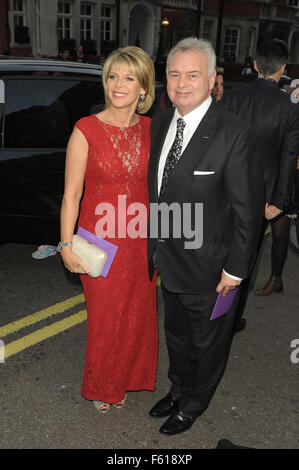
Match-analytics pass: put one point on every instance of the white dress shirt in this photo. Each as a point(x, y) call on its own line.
point(192, 121)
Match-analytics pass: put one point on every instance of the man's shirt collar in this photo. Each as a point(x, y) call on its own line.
point(193, 118)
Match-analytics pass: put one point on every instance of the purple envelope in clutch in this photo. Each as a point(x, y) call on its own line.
point(110, 248)
point(223, 303)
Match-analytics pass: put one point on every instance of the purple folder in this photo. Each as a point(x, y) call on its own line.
point(110, 248)
point(223, 303)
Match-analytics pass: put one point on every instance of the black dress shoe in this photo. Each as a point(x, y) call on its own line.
point(164, 407)
point(226, 444)
point(240, 326)
point(178, 422)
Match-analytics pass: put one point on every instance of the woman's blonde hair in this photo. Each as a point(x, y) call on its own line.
point(140, 65)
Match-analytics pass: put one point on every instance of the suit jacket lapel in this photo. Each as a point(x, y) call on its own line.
point(196, 147)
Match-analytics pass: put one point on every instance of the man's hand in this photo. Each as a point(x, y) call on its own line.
point(227, 284)
point(271, 211)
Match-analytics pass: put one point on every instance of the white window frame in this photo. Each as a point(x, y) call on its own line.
point(17, 14)
point(104, 21)
point(250, 41)
point(208, 29)
point(65, 16)
point(85, 17)
point(293, 3)
point(236, 51)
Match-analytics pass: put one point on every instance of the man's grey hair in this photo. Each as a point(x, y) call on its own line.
point(271, 55)
point(194, 44)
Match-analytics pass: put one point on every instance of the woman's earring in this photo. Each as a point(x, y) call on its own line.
point(142, 97)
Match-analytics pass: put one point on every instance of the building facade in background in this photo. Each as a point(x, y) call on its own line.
point(46, 27)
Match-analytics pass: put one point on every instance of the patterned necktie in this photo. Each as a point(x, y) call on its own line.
point(173, 155)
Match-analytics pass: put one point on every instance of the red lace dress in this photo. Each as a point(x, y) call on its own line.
point(122, 340)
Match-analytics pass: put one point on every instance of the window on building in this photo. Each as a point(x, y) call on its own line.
point(19, 17)
point(86, 20)
point(293, 3)
point(266, 11)
point(106, 23)
point(207, 29)
point(250, 42)
point(64, 20)
point(231, 44)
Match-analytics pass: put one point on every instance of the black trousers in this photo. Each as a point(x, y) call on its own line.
point(198, 347)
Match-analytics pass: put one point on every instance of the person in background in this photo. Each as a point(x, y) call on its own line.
point(79, 55)
point(108, 154)
point(275, 120)
point(65, 55)
point(217, 91)
point(247, 69)
point(280, 229)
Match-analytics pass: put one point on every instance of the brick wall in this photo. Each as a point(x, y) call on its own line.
point(245, 9)
point(21, 51)
point(242, 9)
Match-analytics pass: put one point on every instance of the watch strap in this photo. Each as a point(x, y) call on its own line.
point(62, 245)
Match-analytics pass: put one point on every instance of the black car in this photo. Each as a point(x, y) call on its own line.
point(40, 101)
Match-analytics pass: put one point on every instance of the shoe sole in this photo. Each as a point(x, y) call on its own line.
point(276, 291)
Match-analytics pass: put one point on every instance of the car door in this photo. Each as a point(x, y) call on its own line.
point(38, 115)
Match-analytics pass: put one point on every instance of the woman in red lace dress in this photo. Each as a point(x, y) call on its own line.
point(108, 154)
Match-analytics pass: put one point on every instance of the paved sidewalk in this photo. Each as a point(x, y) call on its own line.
point(41, 407)
point(257, 402)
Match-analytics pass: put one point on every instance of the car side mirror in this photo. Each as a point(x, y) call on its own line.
point(2, 92)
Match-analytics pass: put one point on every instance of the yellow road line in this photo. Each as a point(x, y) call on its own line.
point(41, 315)
point(43, 333)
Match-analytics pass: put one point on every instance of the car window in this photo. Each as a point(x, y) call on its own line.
point(41, 113)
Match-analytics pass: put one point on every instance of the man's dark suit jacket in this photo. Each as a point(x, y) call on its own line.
point(232, 200)
point(270, 112)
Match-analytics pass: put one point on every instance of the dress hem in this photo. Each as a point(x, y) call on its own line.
point(120, 397)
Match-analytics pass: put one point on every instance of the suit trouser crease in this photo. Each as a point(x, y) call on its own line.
point(198, 347)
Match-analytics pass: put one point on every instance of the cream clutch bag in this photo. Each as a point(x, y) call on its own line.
point(93, 256)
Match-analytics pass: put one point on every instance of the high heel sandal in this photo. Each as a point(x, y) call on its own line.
point(101, 406)
point(120, 404)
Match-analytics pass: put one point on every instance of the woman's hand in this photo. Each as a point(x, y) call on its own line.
point(271, 211)
point(73, 262)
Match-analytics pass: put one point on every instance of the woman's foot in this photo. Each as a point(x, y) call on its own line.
point(120, 404)
point(273, 285)
point(101, 406)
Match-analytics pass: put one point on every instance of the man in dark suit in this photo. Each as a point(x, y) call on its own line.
point(274, 118)
point(200, 153)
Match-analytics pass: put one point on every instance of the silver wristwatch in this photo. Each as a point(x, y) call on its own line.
point(63, 244)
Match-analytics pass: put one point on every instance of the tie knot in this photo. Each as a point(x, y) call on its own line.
point(180, 124)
